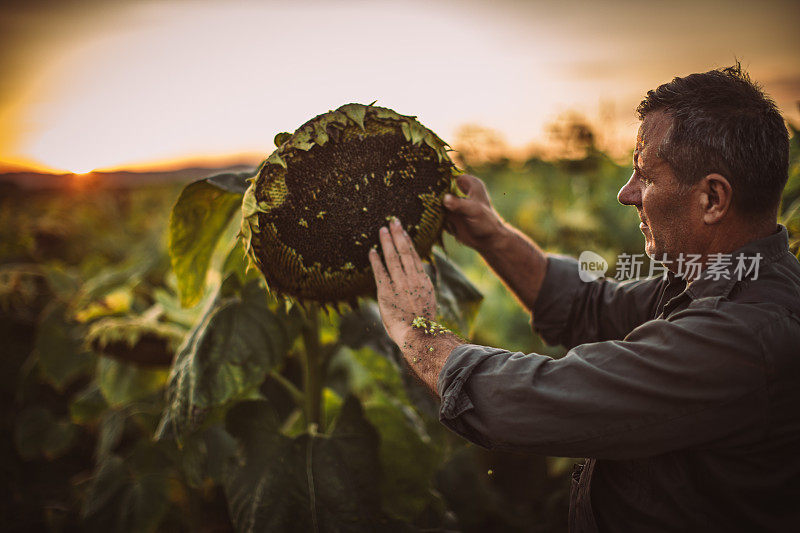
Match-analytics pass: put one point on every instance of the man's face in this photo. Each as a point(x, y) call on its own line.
point(664, 207)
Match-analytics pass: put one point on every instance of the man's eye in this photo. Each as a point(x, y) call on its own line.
point(642, 178)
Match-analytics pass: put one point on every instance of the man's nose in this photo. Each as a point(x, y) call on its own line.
point(630, 194)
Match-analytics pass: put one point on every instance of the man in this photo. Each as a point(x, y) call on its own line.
point(683, 393)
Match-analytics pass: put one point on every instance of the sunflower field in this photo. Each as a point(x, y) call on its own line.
point(151, 381)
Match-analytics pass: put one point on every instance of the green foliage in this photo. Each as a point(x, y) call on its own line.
point(141, 262)
point(790, 205)
point(129, 494)
point(237, 262)
point(199, 218)
point(38, 432)
point(207, 454)
point(123, 383)
point(407, 456)
point(457, 298)
point(59, 347)
point(88, 405)
point(224, 358)
point(309, 483)
point(112, 426)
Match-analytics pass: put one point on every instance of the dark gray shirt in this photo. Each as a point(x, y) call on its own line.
point(685, 399)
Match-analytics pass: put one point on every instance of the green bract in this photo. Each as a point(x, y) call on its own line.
point(314, 209)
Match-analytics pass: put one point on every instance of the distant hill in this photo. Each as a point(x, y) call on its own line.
point(122, 179)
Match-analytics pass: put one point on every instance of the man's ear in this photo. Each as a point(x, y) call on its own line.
point(716, 197)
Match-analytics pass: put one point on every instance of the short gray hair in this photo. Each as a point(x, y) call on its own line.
point(724, 123)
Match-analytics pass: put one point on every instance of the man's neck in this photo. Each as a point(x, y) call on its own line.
point(728, 239)
point(732, 237)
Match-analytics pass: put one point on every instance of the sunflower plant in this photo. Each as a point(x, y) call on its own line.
point(287, 391)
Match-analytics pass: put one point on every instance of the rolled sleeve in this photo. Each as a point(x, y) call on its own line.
point(460, 364)
point(553, 306)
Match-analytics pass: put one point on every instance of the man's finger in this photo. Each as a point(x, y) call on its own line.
point(393, 265)
point(473, 187)
point(381, 276)
point(461, 206)
point(404, 247)
point(465, 182)
point(418, 266)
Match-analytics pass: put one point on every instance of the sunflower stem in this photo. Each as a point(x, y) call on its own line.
point(312, 370)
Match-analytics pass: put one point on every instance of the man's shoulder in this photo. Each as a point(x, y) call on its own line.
point(775, 290)
point(763, 312)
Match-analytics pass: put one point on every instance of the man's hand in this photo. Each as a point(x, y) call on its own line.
point(472, 220)
point(405, 292)
point(518, 261)
point(404, 289)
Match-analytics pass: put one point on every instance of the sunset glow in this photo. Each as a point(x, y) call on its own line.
point(205, 81)
point(81, 172)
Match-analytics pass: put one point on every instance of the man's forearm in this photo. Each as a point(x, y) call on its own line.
point(426, 351)
point(518, 261)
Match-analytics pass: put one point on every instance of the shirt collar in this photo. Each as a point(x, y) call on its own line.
point(746, 263)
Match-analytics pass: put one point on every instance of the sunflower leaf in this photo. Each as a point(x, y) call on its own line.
point(458, 299)
point(200, 216)
point(122, 383)
point(406, 485)
point(235, 182)
point(308, 483)
point(223, 359)
point(128, 494)
point(59, 347)
point(37, 432)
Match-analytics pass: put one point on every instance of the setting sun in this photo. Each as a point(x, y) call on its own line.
point(79, 172)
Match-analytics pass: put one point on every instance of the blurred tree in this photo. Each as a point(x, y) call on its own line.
point(571, 136)
point(479, 146)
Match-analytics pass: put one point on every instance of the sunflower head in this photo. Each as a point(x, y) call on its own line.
point(314, 209)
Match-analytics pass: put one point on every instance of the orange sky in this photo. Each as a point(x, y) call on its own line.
point(91, 84)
